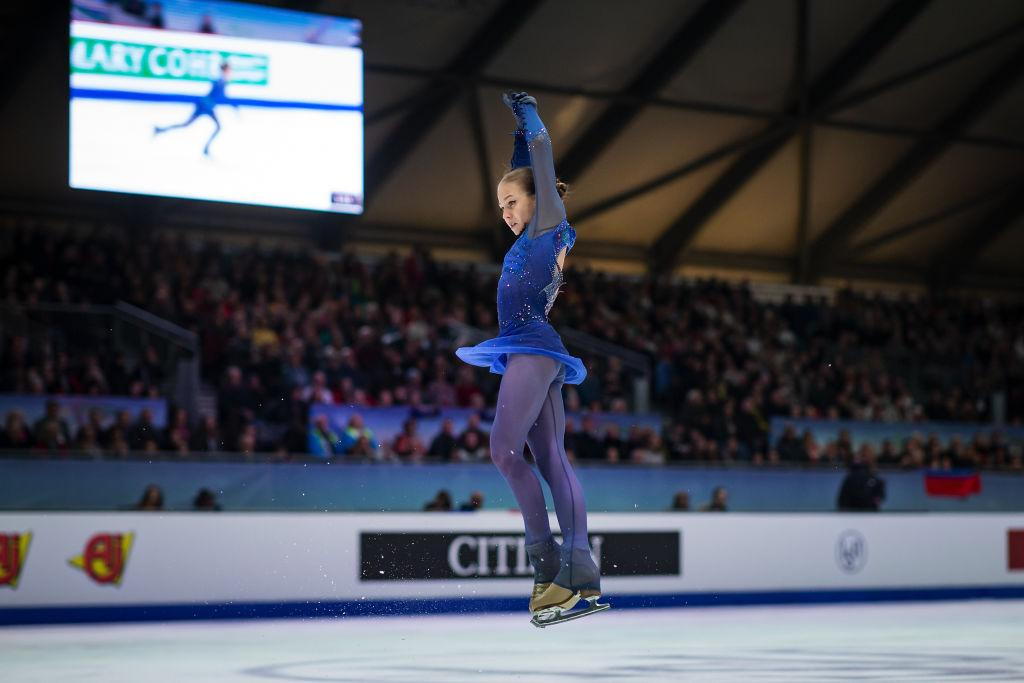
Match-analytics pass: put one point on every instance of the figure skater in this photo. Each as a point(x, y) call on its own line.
point(534, 364)
point(205, 106)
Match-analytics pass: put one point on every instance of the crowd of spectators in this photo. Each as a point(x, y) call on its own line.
point(282, 330)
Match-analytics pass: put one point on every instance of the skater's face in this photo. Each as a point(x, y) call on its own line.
point(516, 204)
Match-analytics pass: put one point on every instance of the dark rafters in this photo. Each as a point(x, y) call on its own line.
point(677, 51)
point(37, 26)
point(948, 265)
point(837, 236)
point(497, 236)
point(441, 94)
point(670, 246)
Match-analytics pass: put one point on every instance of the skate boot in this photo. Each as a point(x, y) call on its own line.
point(577, 579)
point(545, 557)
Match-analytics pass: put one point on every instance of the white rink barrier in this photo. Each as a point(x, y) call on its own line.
point(85, 567)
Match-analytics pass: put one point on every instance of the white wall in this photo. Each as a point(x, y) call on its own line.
point(197, 558)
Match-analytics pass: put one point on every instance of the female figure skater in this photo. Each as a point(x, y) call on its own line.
point(534, 363)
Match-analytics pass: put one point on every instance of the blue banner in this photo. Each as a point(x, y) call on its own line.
point(75, 409)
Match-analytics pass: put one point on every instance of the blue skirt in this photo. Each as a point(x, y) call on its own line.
point(538, 338)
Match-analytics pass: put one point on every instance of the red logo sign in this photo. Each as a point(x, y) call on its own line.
point(104, 557)
point(13, 551)
point(1015, 549)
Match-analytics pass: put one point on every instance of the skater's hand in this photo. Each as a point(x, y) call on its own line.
point(517, 100)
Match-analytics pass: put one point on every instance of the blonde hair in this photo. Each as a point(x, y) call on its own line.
point(524, 177)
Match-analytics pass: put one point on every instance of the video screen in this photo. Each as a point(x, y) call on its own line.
point(217, 100)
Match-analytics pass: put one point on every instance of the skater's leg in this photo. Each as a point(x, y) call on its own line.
point(163, 129)
point(578, 571)
point(547, 443)
point(216, 130)
point(520, 397)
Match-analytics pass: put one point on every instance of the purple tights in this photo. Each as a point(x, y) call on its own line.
point(530, 410)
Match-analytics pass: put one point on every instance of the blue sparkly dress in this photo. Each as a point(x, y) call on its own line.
point(530, 277)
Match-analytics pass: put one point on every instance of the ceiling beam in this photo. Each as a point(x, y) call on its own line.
point(673, 243)
point(440, 94)
point(910, 228)
point(870, 91)
point(673, 56)
point(495, 232)
point(835, 238)
point(801, 76)
point(949, 264)
point(1004, 144)
point(686, 169)
point(610, 96)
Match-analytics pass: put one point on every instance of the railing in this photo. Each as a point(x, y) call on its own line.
point(126, 327)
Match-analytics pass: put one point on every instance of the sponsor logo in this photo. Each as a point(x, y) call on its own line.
point(13, 552)
point(851, 551)
point(1015, 550)
point(104, 557)
point(413, 555)
point(118, 58)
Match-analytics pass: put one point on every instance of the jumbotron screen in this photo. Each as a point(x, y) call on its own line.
point(217, 100)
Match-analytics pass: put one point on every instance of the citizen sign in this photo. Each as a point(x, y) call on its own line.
point(405, 556)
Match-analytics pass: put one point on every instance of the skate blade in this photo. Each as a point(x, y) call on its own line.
point(556, 615)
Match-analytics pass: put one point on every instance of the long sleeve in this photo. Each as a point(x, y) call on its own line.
point(550, 210)
point(520, 150)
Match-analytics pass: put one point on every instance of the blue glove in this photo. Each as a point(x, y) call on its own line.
point(515, 100)
point(524, 107)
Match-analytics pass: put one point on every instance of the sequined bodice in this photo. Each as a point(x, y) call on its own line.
point(530, 277)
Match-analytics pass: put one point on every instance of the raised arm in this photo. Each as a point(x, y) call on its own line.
point(532, 136)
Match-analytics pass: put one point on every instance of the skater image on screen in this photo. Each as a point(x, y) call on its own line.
point(205, 106)
point(534, 364)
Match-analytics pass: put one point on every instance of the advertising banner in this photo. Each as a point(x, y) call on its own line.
point(139, 565)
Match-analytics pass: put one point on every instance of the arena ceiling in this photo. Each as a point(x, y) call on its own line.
point(789, 140)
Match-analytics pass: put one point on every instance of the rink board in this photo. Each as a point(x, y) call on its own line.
point(113, 566)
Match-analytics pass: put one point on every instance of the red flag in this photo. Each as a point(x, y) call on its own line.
point(955, 483)
point(1015, 549)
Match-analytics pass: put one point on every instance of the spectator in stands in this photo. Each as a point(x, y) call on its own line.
point(15, 434)
point(408, 444)
point(473, 425)
point(647, 448)
point(789, 446)
point(178, 434)
point(466, 386)
point(152, 499)
point(317, 392)
point(234, 396)
point(862, 489)
point(51, 430)
point(471, 450)
point(117, 442)
point(442, 502)
point(145, 431)
point(612, 445)
point(248, 440)
point(86, 441)
point(681, 502)
point(206, 500)
point(206, 437)
point(444, 444)
point(718, 502)
point(323, 442)
point(276, 314)
point(475, 502)
point(355, 431)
